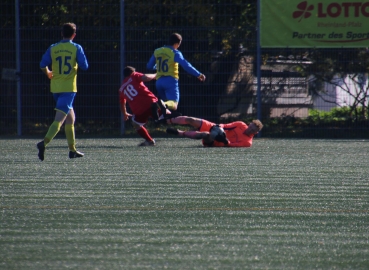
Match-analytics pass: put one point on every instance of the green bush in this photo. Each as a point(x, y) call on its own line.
point(336, 123)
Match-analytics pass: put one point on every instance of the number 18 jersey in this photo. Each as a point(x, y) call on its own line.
point(136, 93)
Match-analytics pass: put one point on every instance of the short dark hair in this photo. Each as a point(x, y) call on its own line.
point(175, 38)
point(127, 71)
point(68, 30)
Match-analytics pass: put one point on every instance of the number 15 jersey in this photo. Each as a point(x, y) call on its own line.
point(64, 58)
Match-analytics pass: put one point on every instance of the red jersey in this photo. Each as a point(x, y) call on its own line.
point(136, 93)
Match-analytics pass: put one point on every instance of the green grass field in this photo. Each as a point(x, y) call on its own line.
point(282, 204)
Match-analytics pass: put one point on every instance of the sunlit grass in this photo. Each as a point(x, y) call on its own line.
point(282, 204)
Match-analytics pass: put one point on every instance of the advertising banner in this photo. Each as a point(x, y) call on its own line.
point(314, 23)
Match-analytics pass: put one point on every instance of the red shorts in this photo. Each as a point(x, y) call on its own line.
point(142, 118)
point(206, 125)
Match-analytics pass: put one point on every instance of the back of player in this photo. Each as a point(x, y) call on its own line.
point(235, 134)
point(165, 64)
point(64, 66)
point(137, 95)
point(142, 102)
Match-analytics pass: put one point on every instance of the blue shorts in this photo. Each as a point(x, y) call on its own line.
point(168, 88)
point(64, 101)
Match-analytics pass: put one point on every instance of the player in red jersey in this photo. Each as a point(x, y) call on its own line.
point(142, 102)
point(237, 134)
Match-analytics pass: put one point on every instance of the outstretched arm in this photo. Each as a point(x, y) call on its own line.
point(148, 77)
point(188, 67)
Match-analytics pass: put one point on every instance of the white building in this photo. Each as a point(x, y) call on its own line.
point(342, 92)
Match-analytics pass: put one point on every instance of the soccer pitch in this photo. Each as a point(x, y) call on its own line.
point(282, 204)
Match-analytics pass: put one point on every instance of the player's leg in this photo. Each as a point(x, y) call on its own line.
point(202, 125)
point(138, 123)
point(155, 107)
point(51, 133)
point(66, 105)
point(70, 134)
point(192, 134)
point(171, 105)
point(186, 120)
point(69, 131)
point(160, 88)
point(172, 95)
point(54, 128)
point(169, 89)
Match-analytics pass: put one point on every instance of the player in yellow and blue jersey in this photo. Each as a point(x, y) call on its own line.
point(64, 58)
point(166, 60)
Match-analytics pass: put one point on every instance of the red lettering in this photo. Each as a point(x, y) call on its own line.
point(320, 11)
point(363, 9)
point(330, 10)
point(347, 9)
point(356, 6)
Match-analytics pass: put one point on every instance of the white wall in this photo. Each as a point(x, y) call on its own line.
point(337, 93)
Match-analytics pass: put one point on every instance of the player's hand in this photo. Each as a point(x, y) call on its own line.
point(202, 77)
point(50, 74)
point(127, 116)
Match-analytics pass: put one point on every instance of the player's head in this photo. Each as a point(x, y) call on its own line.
point(69, 30)
point(127, 71)
point(254, 127)
point(175, 38)
point(258, 124)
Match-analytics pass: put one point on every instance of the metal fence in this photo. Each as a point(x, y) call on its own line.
point(219, 39)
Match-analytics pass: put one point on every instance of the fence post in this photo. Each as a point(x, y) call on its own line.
point(258, 65)
point(18, 70)
point(122, 59)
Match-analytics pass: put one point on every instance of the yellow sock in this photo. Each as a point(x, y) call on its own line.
point(51, 133)
point(71, 138)
point(171, 104)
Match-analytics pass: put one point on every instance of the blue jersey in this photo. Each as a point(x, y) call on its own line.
point(64, 57)
point(166, 59)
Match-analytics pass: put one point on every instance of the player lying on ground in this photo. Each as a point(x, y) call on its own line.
point(236, 134)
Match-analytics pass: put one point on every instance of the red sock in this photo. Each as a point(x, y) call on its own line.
point(142, 131)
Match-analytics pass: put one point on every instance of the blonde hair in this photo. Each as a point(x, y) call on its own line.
point(258, 124)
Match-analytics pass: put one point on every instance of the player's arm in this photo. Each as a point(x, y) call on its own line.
point(151, 65)
point(47, 72)
point(81, 59)
point(123, 109)
point(45, 62)
point(178, 57)
point(148, 77)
